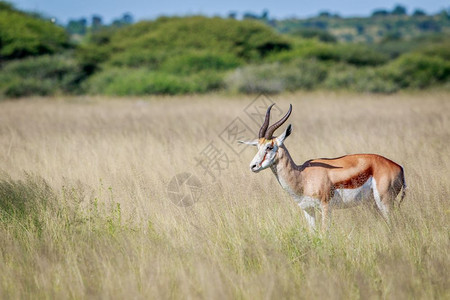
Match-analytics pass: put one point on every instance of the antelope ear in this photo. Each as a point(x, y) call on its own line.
point(284, 135)
point(251, 143)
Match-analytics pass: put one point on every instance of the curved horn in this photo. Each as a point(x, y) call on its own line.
point(271, 130)
point(263, 129)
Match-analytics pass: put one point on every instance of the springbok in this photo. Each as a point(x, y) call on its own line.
point(328, 183)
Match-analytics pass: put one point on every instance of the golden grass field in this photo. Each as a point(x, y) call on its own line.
point(85, 211)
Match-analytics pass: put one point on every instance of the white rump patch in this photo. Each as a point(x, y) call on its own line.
point(344, 198)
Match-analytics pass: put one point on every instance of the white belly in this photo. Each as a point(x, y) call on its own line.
point(344, 198)
point(306, 202)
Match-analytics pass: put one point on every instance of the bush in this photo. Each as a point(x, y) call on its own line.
point(19, 87)
point(369, 80)
point(411, 70)
point(151, 43)
point(441, 50)
point(200, 61)
point(44, 75)
point(277, 77)
point(90, 57)
point(124, 81)
point(417, 70)
point(300, 49)
point(354, 54)
point(432, 44)
point(137, 58)
point(23, 35)
point(309, 33)
point(255, 79)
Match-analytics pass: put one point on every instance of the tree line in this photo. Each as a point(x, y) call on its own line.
point(198, 54)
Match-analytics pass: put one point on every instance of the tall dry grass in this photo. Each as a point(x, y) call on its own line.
point(85, 211)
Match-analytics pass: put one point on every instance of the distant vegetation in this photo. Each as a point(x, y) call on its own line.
point(382, 26)
point(23, 35)
point(174, 55)
point(386, 52)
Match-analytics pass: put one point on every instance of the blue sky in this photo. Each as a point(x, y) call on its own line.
point(64, 10)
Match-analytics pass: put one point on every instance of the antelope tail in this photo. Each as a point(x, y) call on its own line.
point(404, 187)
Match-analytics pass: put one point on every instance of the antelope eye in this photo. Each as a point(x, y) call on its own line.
point(270, 147)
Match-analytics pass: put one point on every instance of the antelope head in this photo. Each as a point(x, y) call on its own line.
point(267, 144)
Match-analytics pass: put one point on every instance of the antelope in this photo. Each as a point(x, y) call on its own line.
point(327, 183)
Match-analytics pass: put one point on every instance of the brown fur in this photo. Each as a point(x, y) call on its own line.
point(318, 178)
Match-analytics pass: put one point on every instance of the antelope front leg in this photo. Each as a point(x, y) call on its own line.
point(310, 215)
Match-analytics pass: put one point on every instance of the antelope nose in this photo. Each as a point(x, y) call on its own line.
point(253, 167)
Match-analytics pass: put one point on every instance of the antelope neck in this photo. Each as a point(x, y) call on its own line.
point(284, 168)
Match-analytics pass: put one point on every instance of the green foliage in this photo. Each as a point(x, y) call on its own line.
point(413, 70)
point(301, 48)
point(77, 26)
point(320, 34)
point(89, 57)
point(277, 77)
point(126, 81)
point(6, 6)
point(396, 46)
point(169, 37)
point(354, 54)
point(16, 87)
point(23, 35)
point(441, 50)
point(95, 51)
point(399, 10)
point(417, 70)
point(173, 55)
point(199, 61)
point(44, 75)
point(133, 58)
point(371, 80)
point(372, 29)
point(176, 55)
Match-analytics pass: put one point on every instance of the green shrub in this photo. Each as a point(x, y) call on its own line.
point(90, 57)
point(255, 79)
point(341, 76)
point(441, 50)
point(43, 75)
point(417, 70)
point(277, 77)
point(200, 61)
point(19, 87)
point(124, 81)
point(304, 74)
point(150, 43)
point(137, 58)
point(300, 49)
point(309, 33)
point(432, 44)
point(23, 35)
point(96, 50)
point(411, 70)
point(354, 54)
point(367, 79)
point(408, 71)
